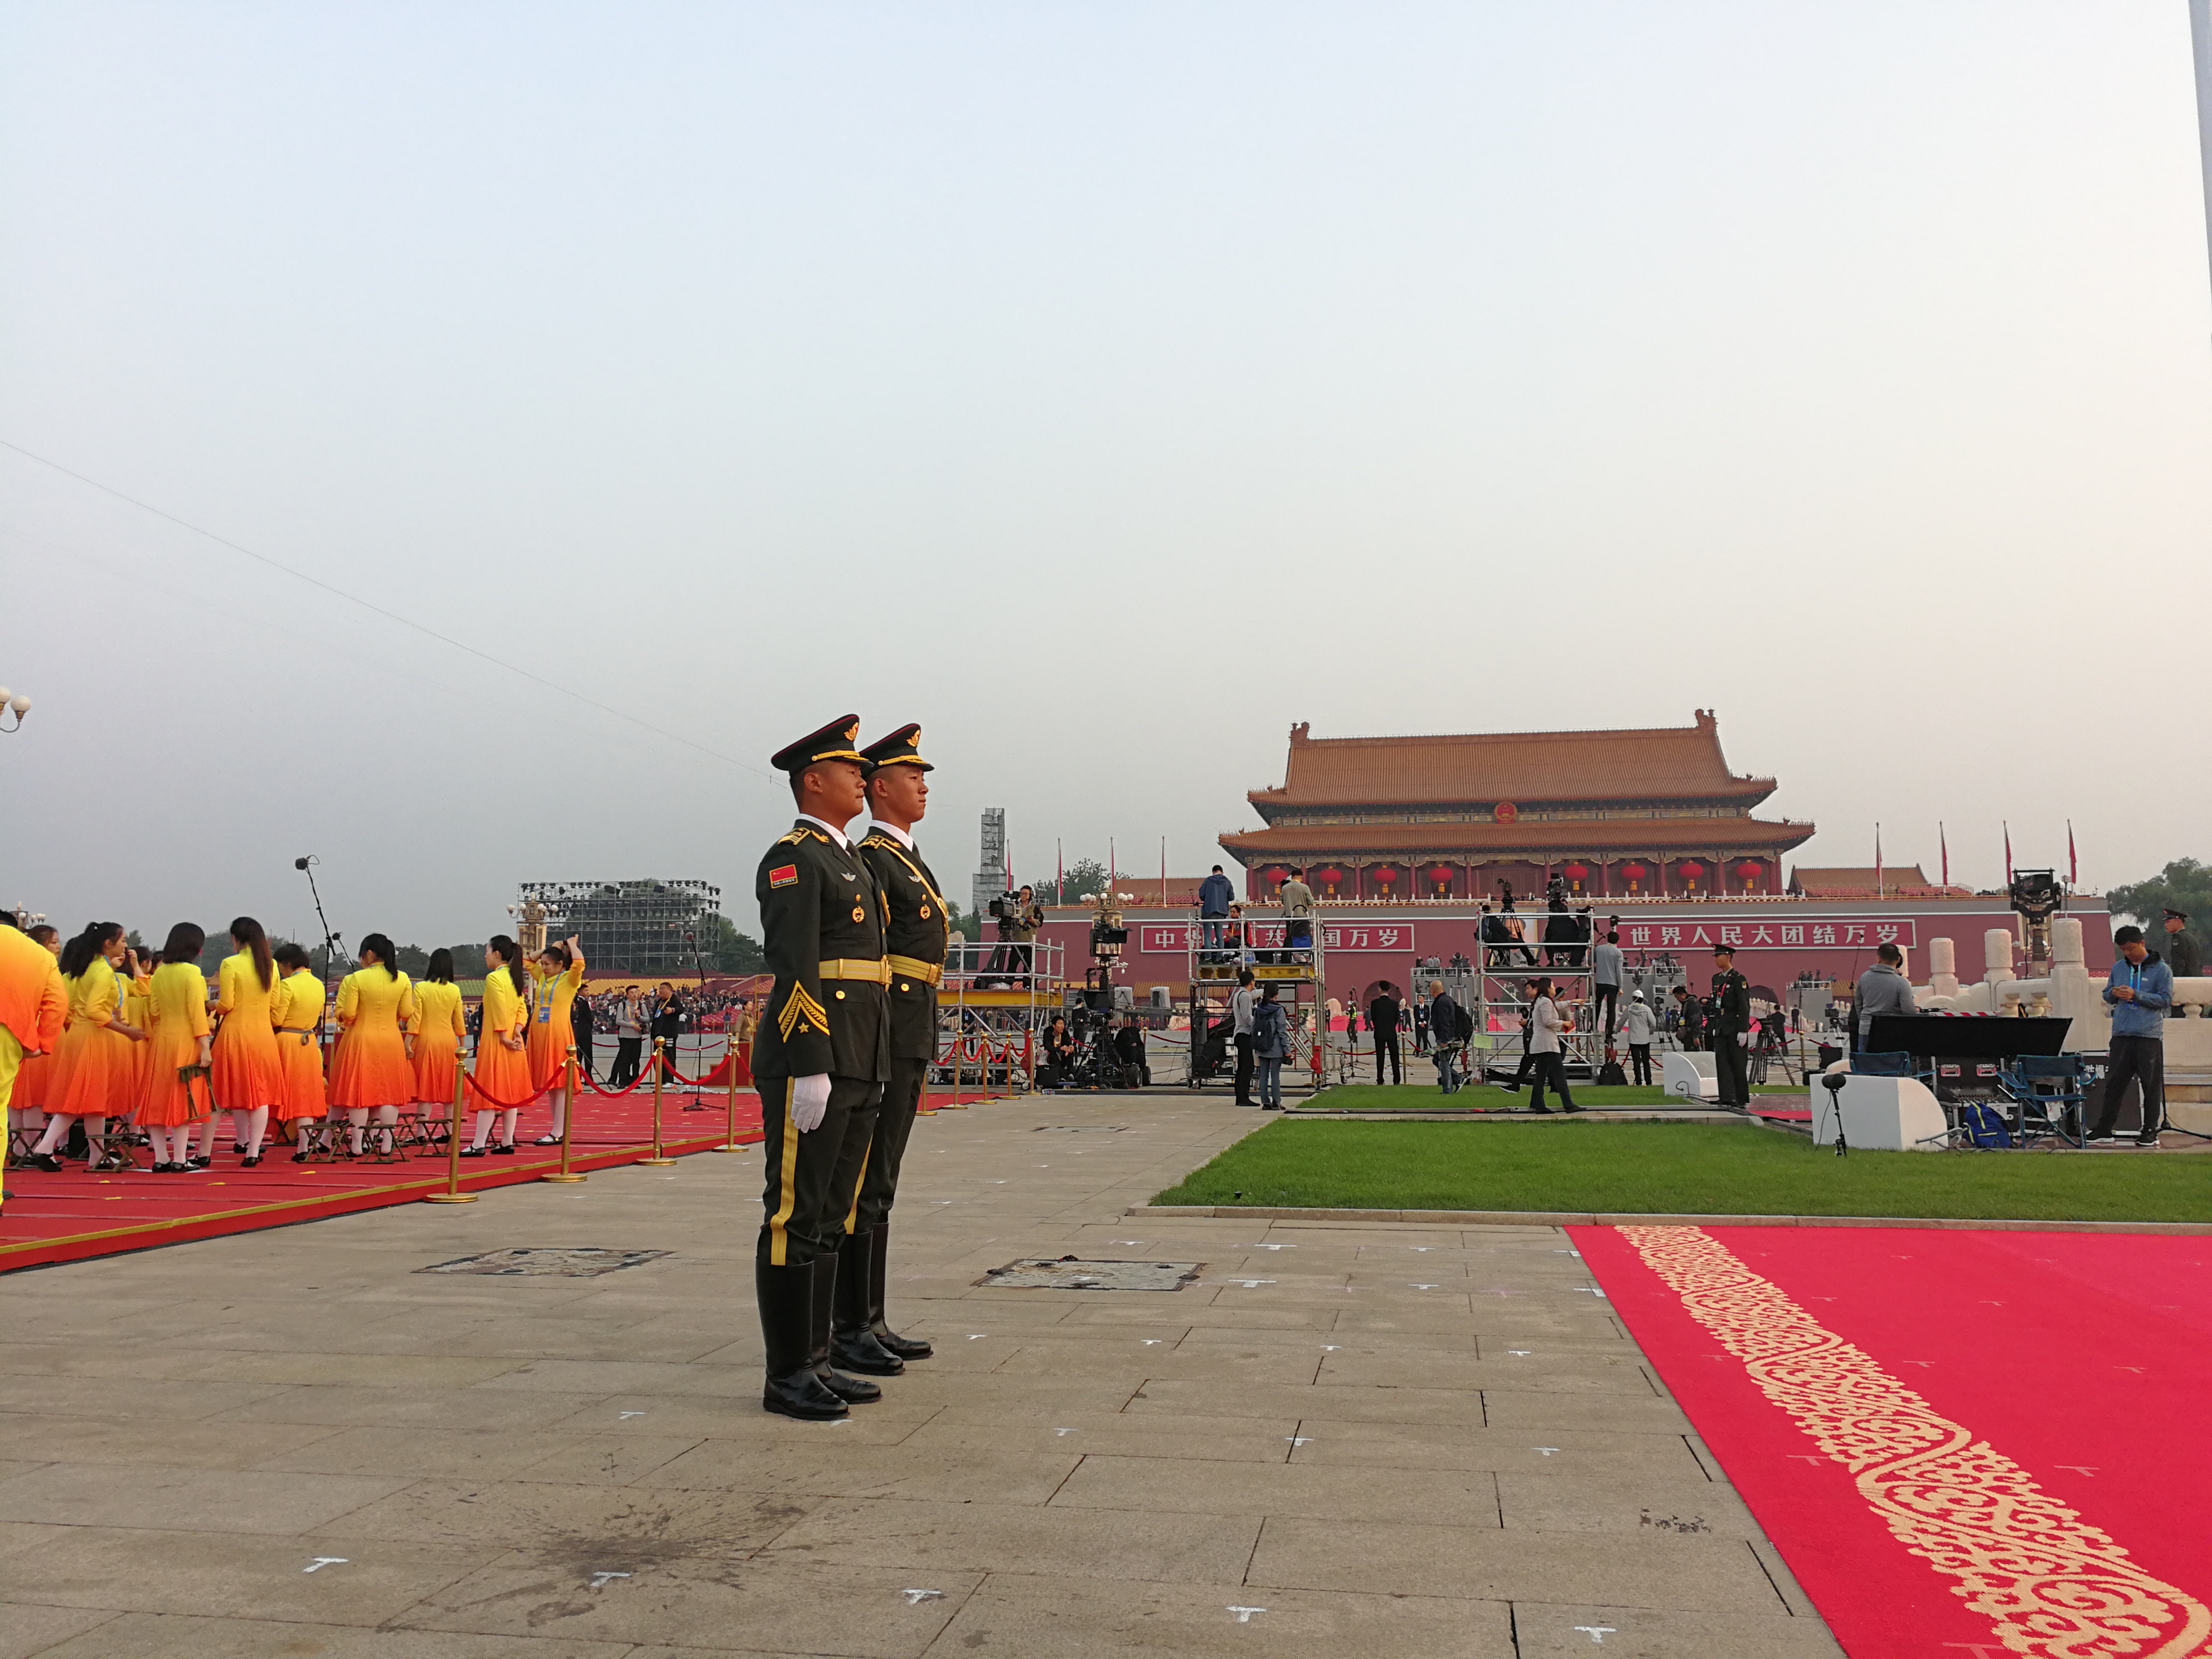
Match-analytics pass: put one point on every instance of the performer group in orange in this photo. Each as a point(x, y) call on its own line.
point(96, 1033)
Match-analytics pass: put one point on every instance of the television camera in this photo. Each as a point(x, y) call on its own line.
point(2036, 895)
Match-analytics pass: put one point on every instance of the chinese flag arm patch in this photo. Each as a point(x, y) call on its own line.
point(783, 875)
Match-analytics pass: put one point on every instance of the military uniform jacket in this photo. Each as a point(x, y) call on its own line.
point(822, 921)
point(1731, 1002)
point(916, 937)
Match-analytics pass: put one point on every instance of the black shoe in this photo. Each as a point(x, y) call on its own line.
point(472, 1151)
point(251, 1160)
point(1571, 1109)
point(1539, 1106)
point(547, 1140)
point(2146, 1140)
point(300, 1157)
point(203, 1163)
point(802, 1396)
point(906, 1347)
point(502, 1148)
point(164, 1169)
point(2102, 1138)
point(785, 1295)
point(45, 1161)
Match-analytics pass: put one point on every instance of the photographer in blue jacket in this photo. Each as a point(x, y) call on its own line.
point(2140, 991)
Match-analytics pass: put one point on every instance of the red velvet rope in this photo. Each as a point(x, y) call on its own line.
point(592, 1083)
point(494, 1101)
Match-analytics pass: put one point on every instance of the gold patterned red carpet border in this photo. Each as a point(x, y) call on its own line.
point(2051, 1585)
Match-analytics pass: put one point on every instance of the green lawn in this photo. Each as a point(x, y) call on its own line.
point(1694, 1168)
point(1482, 1098)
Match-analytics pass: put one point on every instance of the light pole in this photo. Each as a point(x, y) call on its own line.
point(2200, 41)
point(18, 705)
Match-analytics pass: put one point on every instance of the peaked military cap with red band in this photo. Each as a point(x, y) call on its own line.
point(834, 742)
point(901, 748)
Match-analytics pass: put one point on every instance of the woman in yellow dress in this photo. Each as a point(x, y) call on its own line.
point(371, 1072)
point(93, 1068)
point(137, 982)
point(248, 1077)
point(503, 1071)
point(175, 1096)
point(295, 1009)
point(26, 1102)
point(555, 979)
point(434, 1037)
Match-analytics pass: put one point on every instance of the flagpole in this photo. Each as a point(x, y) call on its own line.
point(1878, 887)
point(1059, 872)
point(1943, 844)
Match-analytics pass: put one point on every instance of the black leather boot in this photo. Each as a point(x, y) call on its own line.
point(852, 1344)
point(906, 1347)
point(853, 1390)
point(786, 1312)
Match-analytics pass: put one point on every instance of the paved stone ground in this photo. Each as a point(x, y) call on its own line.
point(1371, 1440)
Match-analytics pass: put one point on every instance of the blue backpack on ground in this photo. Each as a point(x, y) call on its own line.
point(1983, 1125)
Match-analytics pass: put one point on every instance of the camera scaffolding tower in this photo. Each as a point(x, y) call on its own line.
point(658, 928)
point(1503, 968)
point(1294, 962)
point(989, 1012)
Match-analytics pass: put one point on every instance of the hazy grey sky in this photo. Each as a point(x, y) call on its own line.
point(1105, 386)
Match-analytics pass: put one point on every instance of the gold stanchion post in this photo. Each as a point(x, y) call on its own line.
point(659, 1067)
point(453, 1195)
point(731, 1080)
point(567, 1125)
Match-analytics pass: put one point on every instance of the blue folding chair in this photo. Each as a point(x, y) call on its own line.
point(2047, 1093)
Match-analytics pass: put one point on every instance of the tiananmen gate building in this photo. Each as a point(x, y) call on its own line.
point(1654, 813)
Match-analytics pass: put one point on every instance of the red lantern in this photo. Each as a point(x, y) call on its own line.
point(1691, 868)
point(1633, 871)
point(1277, 875)
point(1441, 874)
point(1331, 875)
point(1750, 870)
point(1575, 873)
point(1384, 873)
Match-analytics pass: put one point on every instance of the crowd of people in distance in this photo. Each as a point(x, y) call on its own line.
point(148, 1053)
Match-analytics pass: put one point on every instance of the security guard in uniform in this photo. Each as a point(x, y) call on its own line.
point(1728, 1029)
point(820, 1056)
point(916, 935)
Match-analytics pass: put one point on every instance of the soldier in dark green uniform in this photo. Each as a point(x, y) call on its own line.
point(916, 935)
point(819, 1057)
point(1728, 1029)
point(2183, 959)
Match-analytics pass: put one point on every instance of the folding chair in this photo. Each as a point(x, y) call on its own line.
point(2047, 1093)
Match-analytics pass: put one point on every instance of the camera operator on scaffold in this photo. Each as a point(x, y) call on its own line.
point(1019, 915)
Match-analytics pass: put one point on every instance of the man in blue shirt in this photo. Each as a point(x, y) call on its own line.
point(2140, 991)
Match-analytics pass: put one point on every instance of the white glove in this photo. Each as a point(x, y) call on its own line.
point(810, 1101)
point(1743, 1039)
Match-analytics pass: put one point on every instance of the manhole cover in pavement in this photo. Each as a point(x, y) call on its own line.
point(583, 1261)
point(1069, 1272)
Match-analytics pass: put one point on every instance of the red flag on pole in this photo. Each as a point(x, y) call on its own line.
point(2073, 865)
point(1946, 846)
point(2008, 830)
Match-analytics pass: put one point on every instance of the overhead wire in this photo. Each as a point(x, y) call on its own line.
point(370, 605)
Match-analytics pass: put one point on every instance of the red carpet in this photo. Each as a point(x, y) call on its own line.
point(1961, 1442)
point(73, 1215)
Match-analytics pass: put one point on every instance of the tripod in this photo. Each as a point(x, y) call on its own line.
point(305, 867)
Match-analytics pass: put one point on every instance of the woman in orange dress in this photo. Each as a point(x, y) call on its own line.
point(26, 1103)
point(93, 1070)
point(502, 1070)
point(176, 1093)
point(296, 1010)
point(555, 977)
point(434, 1037)
point(371, 1072)
point(248, 1077)
point(136, 981)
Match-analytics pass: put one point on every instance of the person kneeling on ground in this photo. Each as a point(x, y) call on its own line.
point(1129, 1049)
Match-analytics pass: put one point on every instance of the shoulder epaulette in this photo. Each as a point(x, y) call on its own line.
point(791, 838)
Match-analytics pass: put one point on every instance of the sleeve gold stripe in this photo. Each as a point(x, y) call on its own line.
point(797, 1006)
